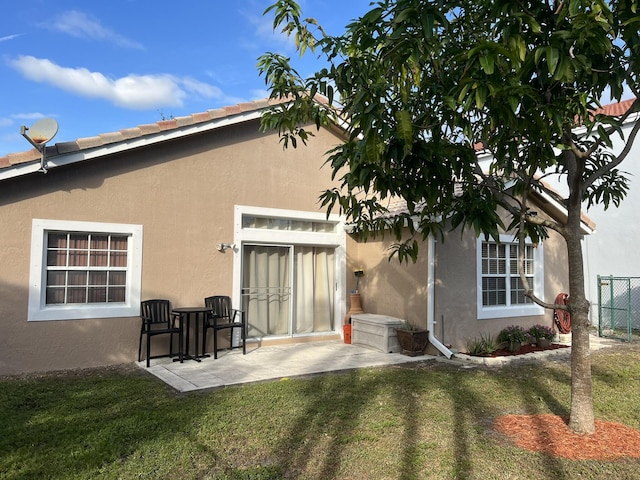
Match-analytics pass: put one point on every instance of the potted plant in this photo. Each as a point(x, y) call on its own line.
point(542, 334)
point(356, 301)
point(513, 336)
point(412, 339)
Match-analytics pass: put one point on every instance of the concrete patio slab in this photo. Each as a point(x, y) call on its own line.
point(269, 363)
point(262, 363)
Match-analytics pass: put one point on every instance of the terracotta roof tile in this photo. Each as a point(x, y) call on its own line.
point(111, 137)
point(184, 121)
point(89, 142)
point(67, 147)
point(149, 128)
point(168, 124)
point(128, 133)
point(22, 157)
point(234, 109)
point(201, 117)
point(218, 113)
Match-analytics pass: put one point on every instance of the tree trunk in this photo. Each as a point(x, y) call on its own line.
point(581, 419)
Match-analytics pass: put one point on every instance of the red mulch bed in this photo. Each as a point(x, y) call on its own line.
point(503, 352)
point(549, 434)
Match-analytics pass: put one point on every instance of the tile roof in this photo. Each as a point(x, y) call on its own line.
point(616, 109)
point(174, 124)
point(551, 205)
point(140, 131)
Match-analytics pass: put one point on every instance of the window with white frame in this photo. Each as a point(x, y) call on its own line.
point(500, 289)
point(84, 270)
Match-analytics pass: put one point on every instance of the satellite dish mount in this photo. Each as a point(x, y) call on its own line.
point(39, 134)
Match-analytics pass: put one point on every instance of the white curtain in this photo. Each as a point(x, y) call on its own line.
point(314, 290)
point(267, 290)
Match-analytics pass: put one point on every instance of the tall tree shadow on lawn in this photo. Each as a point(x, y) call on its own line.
point(332, 420)
point(474, 411)
point(392, 410)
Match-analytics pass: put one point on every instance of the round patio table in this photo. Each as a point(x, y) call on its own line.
point(199, 314)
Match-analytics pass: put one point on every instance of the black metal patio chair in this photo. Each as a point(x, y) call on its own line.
point(157, 319)
point(223, 317)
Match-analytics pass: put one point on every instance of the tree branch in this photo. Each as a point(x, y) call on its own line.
point(619, 158)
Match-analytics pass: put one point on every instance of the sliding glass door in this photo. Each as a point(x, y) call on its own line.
point(288, 290)
point(266, 289)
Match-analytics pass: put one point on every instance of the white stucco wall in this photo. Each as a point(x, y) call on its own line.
point(613, 248)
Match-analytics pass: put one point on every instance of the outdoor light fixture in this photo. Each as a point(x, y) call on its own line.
point(39, 134)
point(221, 247)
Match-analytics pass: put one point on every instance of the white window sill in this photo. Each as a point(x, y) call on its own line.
point(507, 312)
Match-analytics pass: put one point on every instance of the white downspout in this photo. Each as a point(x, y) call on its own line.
point(431, 258)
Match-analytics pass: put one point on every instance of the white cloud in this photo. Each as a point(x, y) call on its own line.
point(139, 92)
point(83, 25)
point(10, 37)
point(29, 116)
point(11, 119)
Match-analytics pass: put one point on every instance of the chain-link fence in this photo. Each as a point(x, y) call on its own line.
point(619, 307)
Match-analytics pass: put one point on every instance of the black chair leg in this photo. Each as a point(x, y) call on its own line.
point(140, 345)
point(215, 343)
point(148, 350)
point(244, 340)
point(204, 340)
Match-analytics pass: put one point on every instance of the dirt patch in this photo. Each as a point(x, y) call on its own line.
point(550, 434)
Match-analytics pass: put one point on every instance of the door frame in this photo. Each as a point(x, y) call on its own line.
point(335, 239)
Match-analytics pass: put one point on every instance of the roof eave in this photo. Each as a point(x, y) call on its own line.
point(89, 153)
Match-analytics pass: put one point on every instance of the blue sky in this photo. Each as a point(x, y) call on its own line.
point(98, 67)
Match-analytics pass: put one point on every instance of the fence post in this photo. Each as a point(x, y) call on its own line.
point(599, 306)
point(612, 312)
point(629, 319)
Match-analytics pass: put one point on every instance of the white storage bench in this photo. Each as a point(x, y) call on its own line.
point(376, 331)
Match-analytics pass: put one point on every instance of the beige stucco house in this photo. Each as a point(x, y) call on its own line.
point(209, 205)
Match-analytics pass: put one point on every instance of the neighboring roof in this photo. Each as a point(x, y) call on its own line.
point(557, 210)
point(22, 163)
point(616, 109)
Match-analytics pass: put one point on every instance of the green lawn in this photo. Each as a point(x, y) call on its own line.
point(427, 420)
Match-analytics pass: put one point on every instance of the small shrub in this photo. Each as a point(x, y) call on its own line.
point(490, 343)
point(475, 346)
point(485, 345)
point(513, 334)
point(542, 331)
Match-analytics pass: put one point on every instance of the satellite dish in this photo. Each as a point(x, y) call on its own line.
point(39, 134)
point(43, 130)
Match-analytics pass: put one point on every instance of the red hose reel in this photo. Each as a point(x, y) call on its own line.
point(562, 318)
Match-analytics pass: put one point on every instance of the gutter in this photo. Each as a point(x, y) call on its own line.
point(431, 300)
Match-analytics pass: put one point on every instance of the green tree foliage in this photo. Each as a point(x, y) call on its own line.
point(419, 85)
